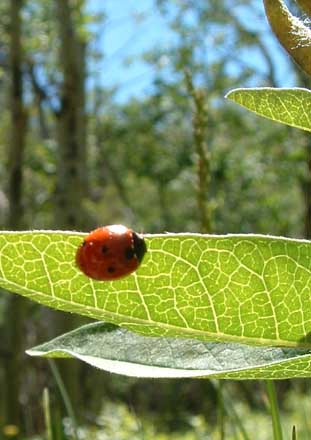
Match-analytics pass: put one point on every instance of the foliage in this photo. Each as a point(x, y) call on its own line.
point(141, 170)
point(120, 351)
point(291, 32)
point(250, 289)
point(288, 106)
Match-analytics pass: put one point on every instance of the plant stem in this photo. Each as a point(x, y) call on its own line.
point(229, 408)
point(204, 162)
point(276, 422)
point(65, 396)
point(47, 414)
point(220, 411)
point(294, 437)
point(235, 418)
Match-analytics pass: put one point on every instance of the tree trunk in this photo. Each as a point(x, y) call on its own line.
point(18, 119)
point(13, 330)
point(71, 124)
point(306, 187)
point(304, 81)
point(72, 159)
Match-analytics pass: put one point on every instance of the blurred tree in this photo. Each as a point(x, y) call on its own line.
point(213, 41)
point(17, 139)
point(72, 162)
point(15, 307)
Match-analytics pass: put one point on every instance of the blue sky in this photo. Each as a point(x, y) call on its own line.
point(135, 26)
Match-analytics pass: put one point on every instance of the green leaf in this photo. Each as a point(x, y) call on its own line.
point(291, 32)
point(288, 106)
point(120, 351)
point(305, 5)
point(238, 288)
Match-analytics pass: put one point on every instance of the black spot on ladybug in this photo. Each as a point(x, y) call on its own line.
point(111, 269)
point(83, 243)
point(140, 247)
point(129, 253)
point(105, 249)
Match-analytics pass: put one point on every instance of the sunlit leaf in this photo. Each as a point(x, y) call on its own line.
point(238, 288)
point(288, 106)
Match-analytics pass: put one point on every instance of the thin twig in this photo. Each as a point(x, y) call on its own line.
point(204, 161)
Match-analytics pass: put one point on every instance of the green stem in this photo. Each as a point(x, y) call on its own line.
point(276, 422)
point(47, 414)
point(294, 437)
point(229, 408)
point(65, 396)
point(204, 161)
point(236, 418)
point(220, 411)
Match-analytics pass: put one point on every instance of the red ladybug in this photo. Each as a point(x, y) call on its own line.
point(110, 252)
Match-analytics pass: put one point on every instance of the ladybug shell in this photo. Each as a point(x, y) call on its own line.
point(110, 252)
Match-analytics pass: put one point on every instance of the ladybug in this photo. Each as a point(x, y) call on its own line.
point(110, 253)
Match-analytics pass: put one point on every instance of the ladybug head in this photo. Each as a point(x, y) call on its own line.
point(140, 247)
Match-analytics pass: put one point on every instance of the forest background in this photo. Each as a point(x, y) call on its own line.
point(97, 128)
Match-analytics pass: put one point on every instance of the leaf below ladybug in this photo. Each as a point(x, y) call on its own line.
point(120, 351)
